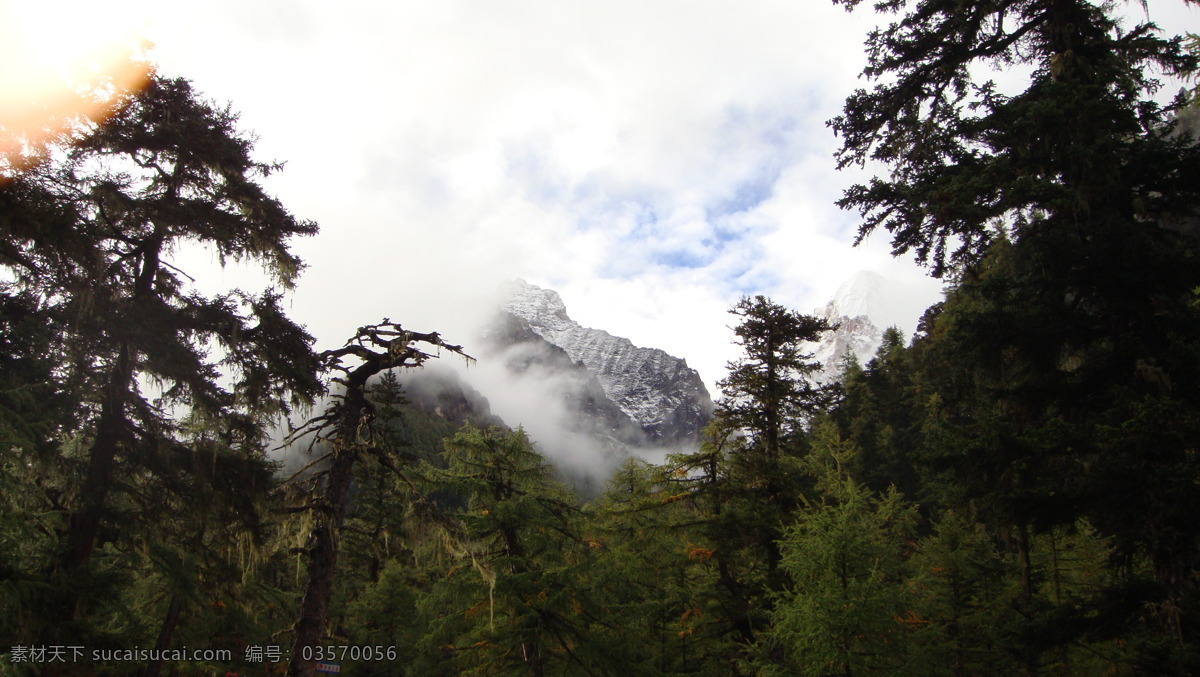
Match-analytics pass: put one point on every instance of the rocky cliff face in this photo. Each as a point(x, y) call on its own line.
point(856, 336)
point(637, 392)
point(588, 409)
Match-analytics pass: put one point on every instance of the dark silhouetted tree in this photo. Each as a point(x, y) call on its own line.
point(91, 235)
point(1065, 215)
point(346, 431)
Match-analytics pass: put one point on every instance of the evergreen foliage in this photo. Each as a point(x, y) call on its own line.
point(89, 235)
point(1014, 492)
point(656, 578)
point(1056, 210)
point(963, 598)
point(769, 393)
point(846, 608)
point(345, 432)
point(522, 609)
point(1081, 155)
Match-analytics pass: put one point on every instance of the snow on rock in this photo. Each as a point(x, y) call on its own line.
point(863, 307)
point(659, 392)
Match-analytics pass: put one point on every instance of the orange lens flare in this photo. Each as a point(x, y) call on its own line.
point(59, 75)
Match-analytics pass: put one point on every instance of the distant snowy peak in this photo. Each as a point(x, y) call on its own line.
point(854, 335)
point(887, 302)
point(659, 392)
point(541, 308)
point(863, 307)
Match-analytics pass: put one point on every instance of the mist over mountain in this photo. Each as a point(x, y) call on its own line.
point(588, 399)
point(659, 393)
point(863, 307)
point(439, 390)
point(582, 399)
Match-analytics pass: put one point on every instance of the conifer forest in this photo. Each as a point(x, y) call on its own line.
point(1013, 491)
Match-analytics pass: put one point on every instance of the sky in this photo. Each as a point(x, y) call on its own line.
point(650, 161)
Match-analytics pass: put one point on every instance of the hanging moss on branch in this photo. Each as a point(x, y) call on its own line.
point(346, 429)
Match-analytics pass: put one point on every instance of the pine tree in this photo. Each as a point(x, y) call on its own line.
point(345, 432)
point(1061, 213)
point(769, 393)
point(196, 573)
point(879, 411)
point(89, 237)
point(654, 573)
point(745, 480)
point(964, 602)
point(1082, 151)
point(846, 610)
point(769, 399)
point(516, 577)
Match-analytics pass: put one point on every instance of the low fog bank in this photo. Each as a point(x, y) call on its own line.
point(534, 385)
point(516, 379)
point(556, 406)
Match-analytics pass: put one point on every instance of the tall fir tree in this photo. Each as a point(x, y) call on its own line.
point(746, 479)
point(844, 611)
point(526, 613)
point(769, 392)
point(769, 399)
point(91, 239)
point(344, 433)
point(1062, 212)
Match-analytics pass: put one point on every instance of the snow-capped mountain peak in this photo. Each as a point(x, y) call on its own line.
point(888, 302)
point(860, 295)
point(863, 307)
point(660, 393)
point(540, 307)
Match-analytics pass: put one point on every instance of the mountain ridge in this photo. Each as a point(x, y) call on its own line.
point(658, 392)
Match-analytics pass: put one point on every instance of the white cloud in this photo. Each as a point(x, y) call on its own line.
point(651, 161)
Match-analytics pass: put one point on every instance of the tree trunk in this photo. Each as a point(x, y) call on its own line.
point(174, 610)
point(349, 420)
point(85, 520)
point(1026, 565)
point(322, 563)
point(84, 524)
